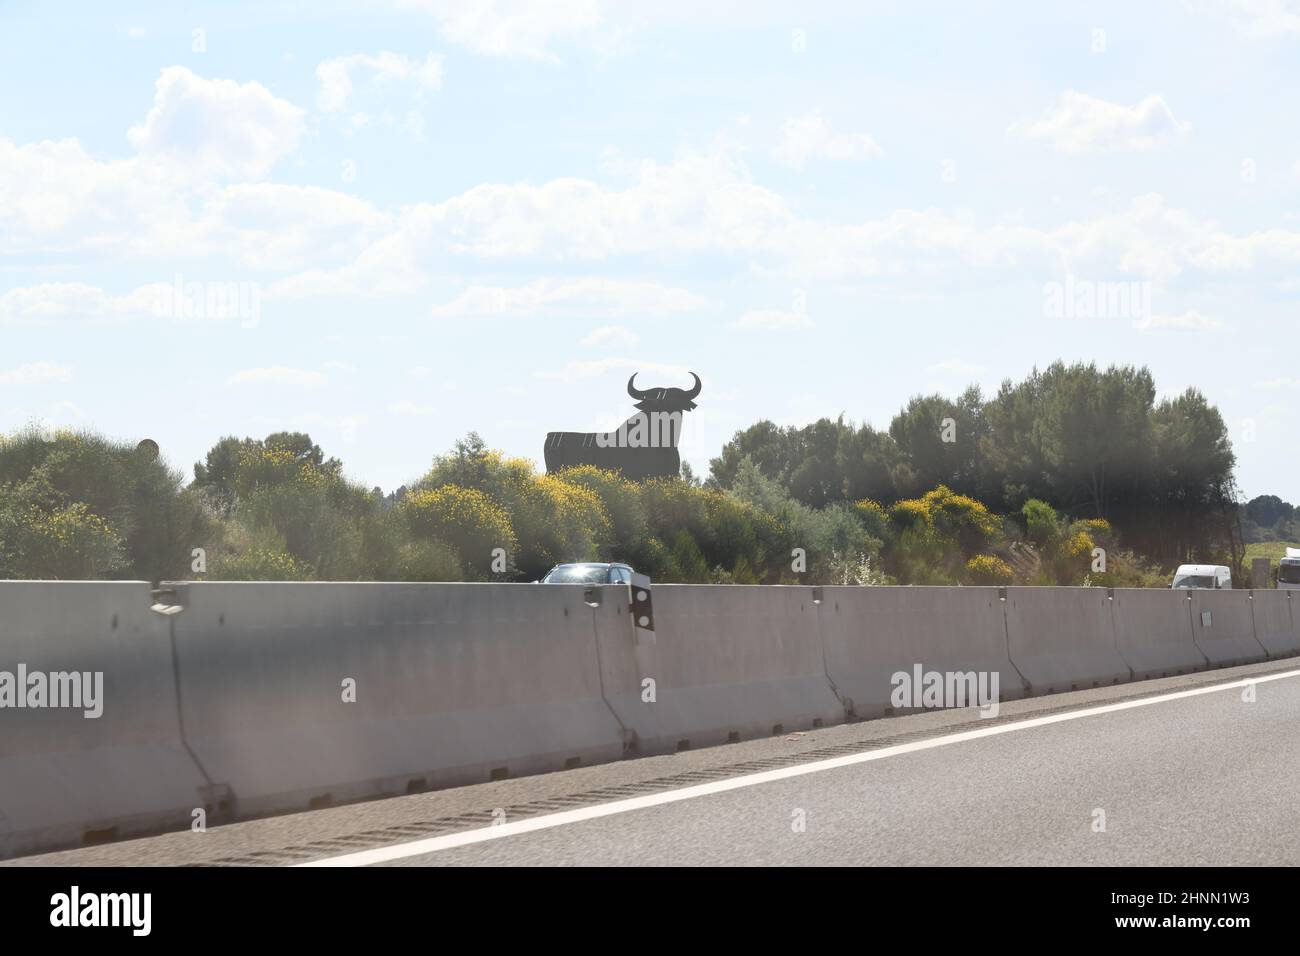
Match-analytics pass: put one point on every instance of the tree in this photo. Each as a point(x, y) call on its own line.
point(942, 441)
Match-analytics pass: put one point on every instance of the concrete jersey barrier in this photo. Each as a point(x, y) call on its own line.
point(872, 633)
point(1276, 627)
point(727, 662)
point(1063, 638)
point(1153, 632)
point(1223, 625)
point(454, 684)
point(66, 779)
point(260, 698)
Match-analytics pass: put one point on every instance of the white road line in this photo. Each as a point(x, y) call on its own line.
point(546, 822)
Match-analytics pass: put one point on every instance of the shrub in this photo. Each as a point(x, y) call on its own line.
point(1041, 522)
point(426, 561)
point(960, 515)
point(935, 531)
point(261, 564)
point(1080, 545)
point(556, 522)
point(66, 542)
point(257, 554)
point(874, 518)
point(910, 514)
point(319, 527)
point(464, 518)
point(1124, 569)
point(653, 558)
point(138, 497)
point(856, 569)
point(686, 562)
point(621, 500)
point(988, 569)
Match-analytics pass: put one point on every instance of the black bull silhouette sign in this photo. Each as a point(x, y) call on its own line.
point(644, 446)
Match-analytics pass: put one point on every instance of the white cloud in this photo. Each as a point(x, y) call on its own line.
point(1188, 321)
point(705, 205)
point(36, 373)
point(216, 128)
point(1155, 241)
point(273, 225)
point(385, 69)
point(610, 336)
point(810, 137)
point(772, 320)
point(594, 368)
point(1263, 18)
point(700, 204)
point(278, 375)
point(56, 197)
point(522, 29)
point(1284, 382)
point(585, 296)
point(40, 304)
point(1085, 124)
point(167, 198)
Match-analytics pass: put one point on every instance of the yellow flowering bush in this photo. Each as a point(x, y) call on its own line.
point(1080, 545)
point(947, 514)
point(621, 499)
point(465, 518)
point(988, 569)
point(556, 521)
point(954, 513)
point(62, 543)
point(260, 564)
point(910, 514)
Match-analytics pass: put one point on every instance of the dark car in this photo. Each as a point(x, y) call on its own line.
point(589, 572)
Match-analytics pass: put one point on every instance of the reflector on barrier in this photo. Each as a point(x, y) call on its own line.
point(642, 606)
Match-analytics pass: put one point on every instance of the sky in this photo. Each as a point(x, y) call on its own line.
point(390, 223)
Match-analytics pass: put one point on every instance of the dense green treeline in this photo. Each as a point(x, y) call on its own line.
point(1073, 476)
point(1095, 443)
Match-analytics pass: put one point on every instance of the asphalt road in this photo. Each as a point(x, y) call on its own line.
point(1180, 771)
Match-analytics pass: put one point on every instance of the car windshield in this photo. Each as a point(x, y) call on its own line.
point(578, 574)
point(1194, 581)
point(1289, 573)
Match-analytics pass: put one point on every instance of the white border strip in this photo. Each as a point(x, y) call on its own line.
point(566, 817)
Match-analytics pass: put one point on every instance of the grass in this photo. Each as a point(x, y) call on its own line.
point(1273, 550)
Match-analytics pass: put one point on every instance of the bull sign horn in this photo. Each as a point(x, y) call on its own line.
point(641, 396)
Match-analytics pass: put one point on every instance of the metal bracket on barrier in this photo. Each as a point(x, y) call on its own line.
point(817, 595)
point(591, 597)
point(168, 599)
point(641, 607)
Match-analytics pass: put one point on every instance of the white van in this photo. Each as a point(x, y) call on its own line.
point(1202, 576)
point(1288, 571)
